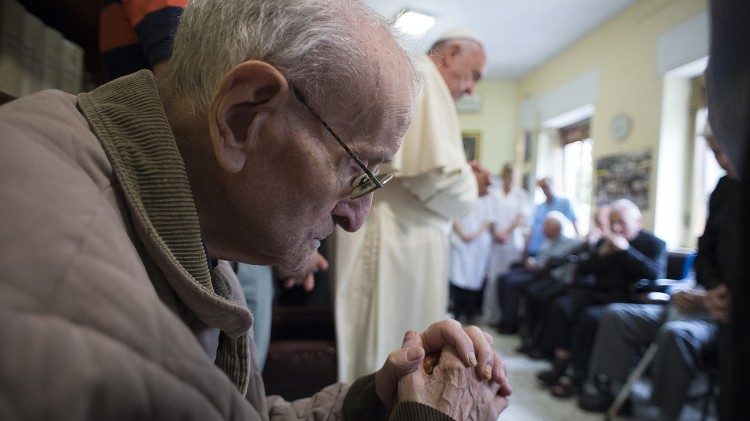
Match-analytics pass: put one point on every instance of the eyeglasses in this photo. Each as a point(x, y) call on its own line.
point(365, 183)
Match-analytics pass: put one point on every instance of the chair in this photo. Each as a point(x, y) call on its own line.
point(679, 263)
point(302, 353)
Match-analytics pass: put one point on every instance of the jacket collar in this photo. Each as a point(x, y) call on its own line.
point(128, 118)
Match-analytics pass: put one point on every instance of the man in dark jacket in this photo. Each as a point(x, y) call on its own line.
point(626, 255)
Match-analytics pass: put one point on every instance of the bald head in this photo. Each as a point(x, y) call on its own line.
point(553, 223)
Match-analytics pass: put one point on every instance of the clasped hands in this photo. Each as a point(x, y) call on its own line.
point(613, 243)
point(451, 368)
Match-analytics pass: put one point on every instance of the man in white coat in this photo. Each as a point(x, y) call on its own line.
point(393, 273)
point(512, 209)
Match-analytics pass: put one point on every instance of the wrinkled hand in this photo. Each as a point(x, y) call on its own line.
point(689, 301)
point(472, 345)
point(719, 303)
point(454, 389)
point(304, 278)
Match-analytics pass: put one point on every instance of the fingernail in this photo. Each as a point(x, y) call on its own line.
point(413, 354)
point(487, 371)
point(472, 359)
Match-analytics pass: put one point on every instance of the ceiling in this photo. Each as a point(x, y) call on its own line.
point(518, 35)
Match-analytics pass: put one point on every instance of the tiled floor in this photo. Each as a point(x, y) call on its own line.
point(531, 402)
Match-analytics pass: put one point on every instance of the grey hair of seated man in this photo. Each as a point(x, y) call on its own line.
point(311, 42)
point(554, 221)
point(626, 207)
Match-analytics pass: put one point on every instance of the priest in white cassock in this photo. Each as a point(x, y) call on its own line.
point(392, 275)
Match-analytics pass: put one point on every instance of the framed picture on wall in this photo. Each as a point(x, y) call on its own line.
point(472, 144)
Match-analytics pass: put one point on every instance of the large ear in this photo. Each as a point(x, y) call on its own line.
point(451, 53)
point(251, 88)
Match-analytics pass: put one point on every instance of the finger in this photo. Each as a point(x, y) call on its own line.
point(399, 363)
point(309, 283)
point(500, 376)
point(320, 262)
point(490, 340)
point(289, 283)
point(485, 354)
point(449, 332)
point(449, 358)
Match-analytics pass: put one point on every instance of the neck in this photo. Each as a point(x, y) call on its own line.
point(191, 136)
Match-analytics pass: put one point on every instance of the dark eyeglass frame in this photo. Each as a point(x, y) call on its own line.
point(365, 183)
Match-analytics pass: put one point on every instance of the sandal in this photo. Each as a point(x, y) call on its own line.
point(552, 375)
point(565, 387)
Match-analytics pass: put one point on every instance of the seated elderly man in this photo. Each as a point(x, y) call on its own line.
point(686, 331)
point(116, 205)
point(539, 294)
point(545, 265)
point(624, 256)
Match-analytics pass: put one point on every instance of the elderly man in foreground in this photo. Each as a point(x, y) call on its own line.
point(116, 205)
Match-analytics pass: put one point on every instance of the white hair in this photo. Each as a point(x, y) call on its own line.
point(626, 207)
point(562, 221)
point(311, 42)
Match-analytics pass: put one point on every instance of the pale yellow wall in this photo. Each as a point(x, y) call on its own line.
point(625, 51)
point(497, 121)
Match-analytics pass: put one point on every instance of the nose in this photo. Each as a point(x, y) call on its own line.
point(351, 214)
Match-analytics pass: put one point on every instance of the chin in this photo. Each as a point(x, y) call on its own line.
point(297, 261)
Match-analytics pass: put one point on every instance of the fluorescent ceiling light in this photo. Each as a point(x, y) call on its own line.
point(414, 23)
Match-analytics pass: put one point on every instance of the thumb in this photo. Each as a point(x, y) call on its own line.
point(400, 363)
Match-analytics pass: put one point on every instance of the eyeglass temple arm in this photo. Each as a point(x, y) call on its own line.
point(304, 102)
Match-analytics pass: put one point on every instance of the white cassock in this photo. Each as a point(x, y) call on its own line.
point(507, 207)
point(392, 275)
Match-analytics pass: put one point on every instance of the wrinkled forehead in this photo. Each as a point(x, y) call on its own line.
point(377, 106)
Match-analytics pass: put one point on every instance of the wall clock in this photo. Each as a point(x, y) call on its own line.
point(621, 125)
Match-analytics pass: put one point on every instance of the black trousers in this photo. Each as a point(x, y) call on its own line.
point(509, 287)
point(584, 335)
point(466, 302)
point(537, 298)
point(567, 309)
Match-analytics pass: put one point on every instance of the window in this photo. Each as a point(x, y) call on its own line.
point(577, 170)
point(706, 173)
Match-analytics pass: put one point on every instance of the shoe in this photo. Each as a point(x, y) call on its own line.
point(565, 387)
point(550, 376)
point(595, 401)
point(600, 396)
